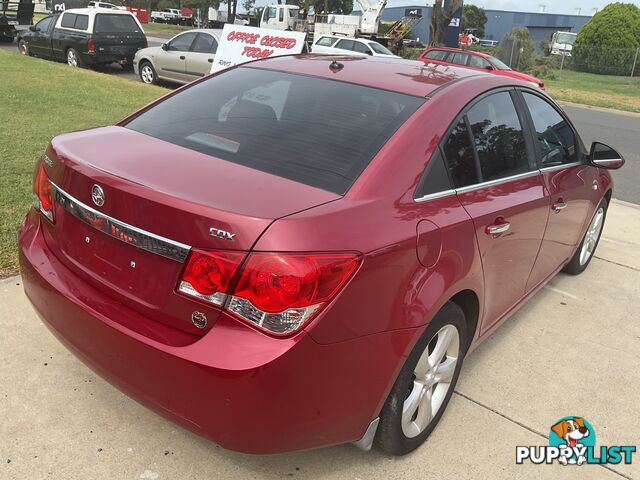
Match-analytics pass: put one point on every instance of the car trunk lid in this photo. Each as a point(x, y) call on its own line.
point(158, 200)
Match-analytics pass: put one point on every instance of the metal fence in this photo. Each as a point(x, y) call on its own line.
point(523, 56)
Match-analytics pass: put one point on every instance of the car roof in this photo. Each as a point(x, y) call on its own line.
point(461, 50)
point(403, 76)
point(216, 32)
point(95, 11)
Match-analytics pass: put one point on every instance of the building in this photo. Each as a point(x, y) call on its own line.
point(499, 22)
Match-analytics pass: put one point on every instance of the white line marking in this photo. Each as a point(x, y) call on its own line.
point(561, 292)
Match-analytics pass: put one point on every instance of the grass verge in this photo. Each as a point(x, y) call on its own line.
point(622, 93)
point(40, 99)
point(164, 29)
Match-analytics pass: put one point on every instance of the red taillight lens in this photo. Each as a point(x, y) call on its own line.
point(280, 292)
point(208, 274)
point(43, 200)
point(276, 292)
point(91, 46)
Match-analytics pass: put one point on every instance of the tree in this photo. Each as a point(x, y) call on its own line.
point(518, 50)
point(608, 42)
point(473, 18)
point(440, 19)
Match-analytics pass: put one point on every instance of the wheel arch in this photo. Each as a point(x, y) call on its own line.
point(608, 195)
point(469, 302)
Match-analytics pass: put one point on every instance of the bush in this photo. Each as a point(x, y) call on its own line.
point(411, 53)
point(518, 50)
point(608, 42)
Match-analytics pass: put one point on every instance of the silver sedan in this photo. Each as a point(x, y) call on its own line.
point(187, 56)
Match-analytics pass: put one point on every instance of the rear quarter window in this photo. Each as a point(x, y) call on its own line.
point(315, 131)
point(115, 23)
point(326, 41)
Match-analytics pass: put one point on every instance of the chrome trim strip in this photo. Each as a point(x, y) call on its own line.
point(433, 196)
point(119, 230)
point(559, 167)
point(498, 181)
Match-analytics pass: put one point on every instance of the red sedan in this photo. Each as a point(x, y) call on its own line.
point(476, 61)
point(300, 251)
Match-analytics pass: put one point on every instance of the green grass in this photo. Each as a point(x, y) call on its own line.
point(164, 29)
point(622, 93)
point(38, 100)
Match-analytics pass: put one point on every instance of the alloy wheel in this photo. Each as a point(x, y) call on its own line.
point(592, 236)
point(72, 59)
point(24, 49)
point(433, 375)
point(146, 73)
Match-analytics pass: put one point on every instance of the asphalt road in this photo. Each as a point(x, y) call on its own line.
point(619, 130)
point(622, 132)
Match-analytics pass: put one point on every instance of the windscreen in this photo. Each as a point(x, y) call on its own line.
point(315, 131)
point(380, 49)
point(566, 38)
point(115, 23)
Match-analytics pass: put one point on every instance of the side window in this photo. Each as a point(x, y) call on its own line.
point(498, 137)
point(554, 135)
point(204, 43)
point(82, 22)
point(345, 44)
point(478, 62)
point(182, 43)
point(458, 152)
point(459, 58)
point(325, 41)
point(436, 54)
point(361, 48)
point(68, 20)
point(269, 12)
point(435, 178)
point(281, 15)
point(44, 24)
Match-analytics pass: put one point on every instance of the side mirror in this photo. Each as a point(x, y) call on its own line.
point(603, 156)
point(489, 67)
point(33, 28)
point(165, 47)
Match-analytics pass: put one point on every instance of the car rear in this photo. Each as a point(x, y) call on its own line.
point(140, 255)
point(116, 37)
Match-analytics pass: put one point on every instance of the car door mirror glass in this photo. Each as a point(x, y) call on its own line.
point(165, 47)
point(603, 156)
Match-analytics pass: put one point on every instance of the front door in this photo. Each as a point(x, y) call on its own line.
point(172, 61)
point(500, 187)
point(40, 42)
point(569, 185)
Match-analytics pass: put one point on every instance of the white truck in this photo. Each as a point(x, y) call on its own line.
point(562, 43)
point(286, 17)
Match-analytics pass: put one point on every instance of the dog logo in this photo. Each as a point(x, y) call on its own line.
point(572, 431)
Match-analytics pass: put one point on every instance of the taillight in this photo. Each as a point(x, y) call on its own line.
point(208, 274)
point(42, 199)
point(146, 42)
point(276, 292)
point(91, 46)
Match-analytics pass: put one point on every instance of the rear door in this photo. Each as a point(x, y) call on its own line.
point(493, 169)
point(172, 62)
point(70, 32)
point(118, 34)
point(200, 58)
point(568, 181)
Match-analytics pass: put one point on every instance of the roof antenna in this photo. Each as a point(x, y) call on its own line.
point(335, 66)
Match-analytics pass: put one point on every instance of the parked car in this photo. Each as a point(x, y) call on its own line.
point(300, 251)
point(187, 56)
point(340, 45)
point(477, 61)
point(85, 37)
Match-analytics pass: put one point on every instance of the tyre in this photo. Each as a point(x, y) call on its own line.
point(73, 58)
point(425, 384)
point(581, 259)
point(23, 47)
point(147, 73)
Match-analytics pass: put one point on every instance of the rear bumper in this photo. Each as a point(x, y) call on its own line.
point(242, 389)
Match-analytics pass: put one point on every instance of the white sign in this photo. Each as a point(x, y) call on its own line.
point(240, 44)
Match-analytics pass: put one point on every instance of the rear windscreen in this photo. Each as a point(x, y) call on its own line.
point(114, 23)
point(315, 131)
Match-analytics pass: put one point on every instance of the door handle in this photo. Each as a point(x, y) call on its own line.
point(557, 207)
point(497, 228)
point(182, 57)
